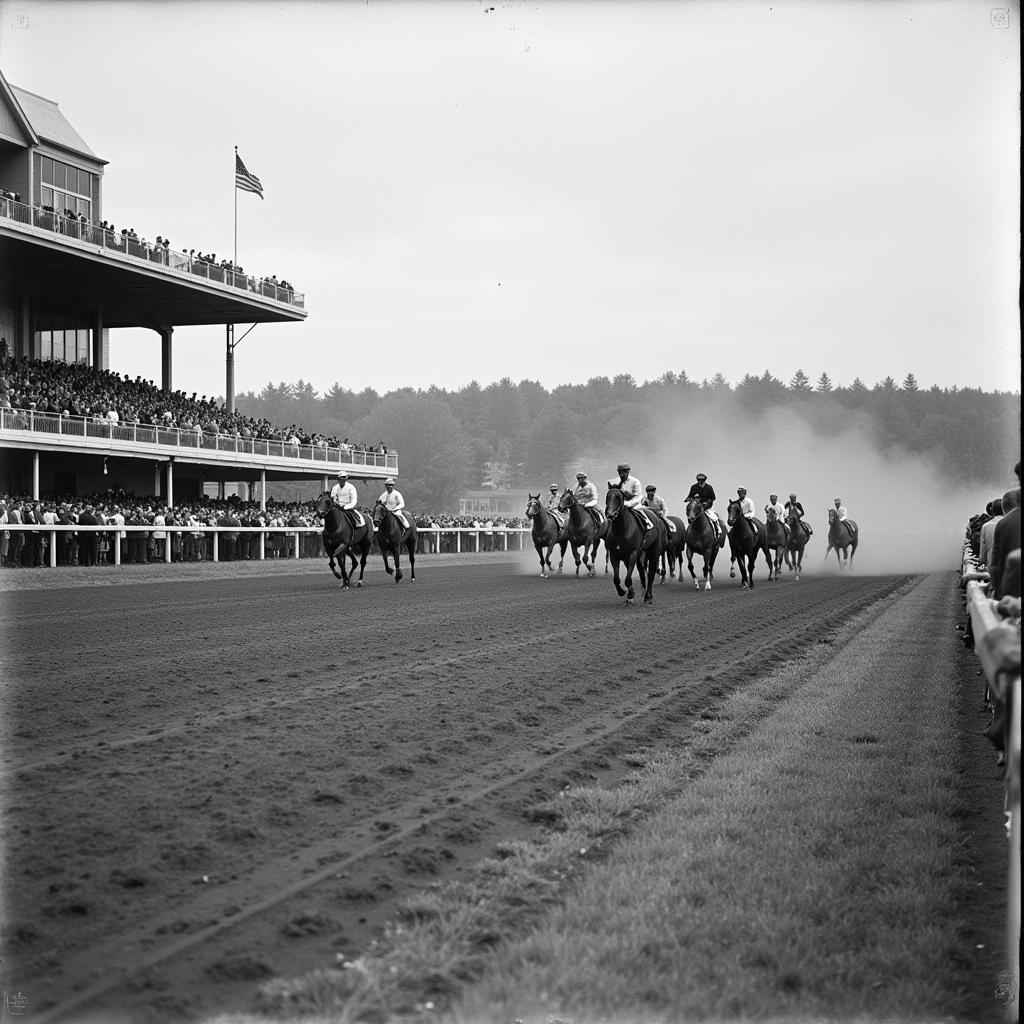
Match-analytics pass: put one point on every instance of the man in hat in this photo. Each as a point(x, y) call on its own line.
point(747, 508)
point(586, 495)
point(393, 500)
point(703, 492)
point(343, 493)
point(776, 506)
point(552, 505)
point(795, 504)
point(632, 491)
point(656, 503)
point(840, 510)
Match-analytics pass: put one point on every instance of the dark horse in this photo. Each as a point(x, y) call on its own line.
point(842, 534)
point(343, 539)
point(744, 544)
point(582, 530)
point(392, 536)
point(776, 537)
point(627, 541)
point(675, 542)
point(546, 533)
point(701, 539)
point(798, 538)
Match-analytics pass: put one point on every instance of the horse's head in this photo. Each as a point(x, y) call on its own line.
point(772, 516)
point(323, 504)
point(833, 516)
point(734, 511)
point(613, 500)
point(380, 510)
point(694, 507)
point(567, 500)
point(533, 505)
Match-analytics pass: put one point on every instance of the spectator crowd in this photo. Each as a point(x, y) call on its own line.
point(76, 389)
point(181, 527)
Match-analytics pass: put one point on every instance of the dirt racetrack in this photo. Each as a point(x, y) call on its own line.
point(212, 780)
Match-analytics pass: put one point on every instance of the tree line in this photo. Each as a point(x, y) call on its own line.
point(513, 435)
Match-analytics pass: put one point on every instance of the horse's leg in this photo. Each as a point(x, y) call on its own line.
point(341, 553)
point(689, 565)
point(384, 552)
point(410, 548)
point(630, 567)
point(575, 555)
point(615, 575)
point(653, 560)
point(398, 561)
point(540, 554)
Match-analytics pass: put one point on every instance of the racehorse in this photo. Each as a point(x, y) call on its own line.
point(546, 533)
point(797, 541)
point(627, 541)
point(342, 539)
point(776, 537)
point(744, 544)
point(702, 540)
point(392, 536)
point(842, 534)
point(675, 542)
point(582, 531)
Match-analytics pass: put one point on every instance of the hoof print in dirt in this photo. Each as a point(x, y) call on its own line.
point(240, 968)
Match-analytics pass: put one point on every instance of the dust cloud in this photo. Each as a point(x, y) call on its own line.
point(911, 516)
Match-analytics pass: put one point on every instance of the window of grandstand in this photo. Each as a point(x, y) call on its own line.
point(65, 187)
point(61, 338)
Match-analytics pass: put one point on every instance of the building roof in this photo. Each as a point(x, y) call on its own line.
point(50, 124)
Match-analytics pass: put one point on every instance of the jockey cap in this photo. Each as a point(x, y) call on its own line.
point(650, 488)
point(793, 494)
point(390, 480)
point(702, 476)
point(553, 487)
point(774, 497)
point(741, 490)
point(839, 501)
point(342, 475)
point(581, 476)
point(622, 467)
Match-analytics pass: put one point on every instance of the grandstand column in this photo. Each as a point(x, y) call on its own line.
point(263, 493)
point(35, 476)
point(170, 484)
point(229, 367)
point(166, 336)
point(156, 479)
point(97, 342)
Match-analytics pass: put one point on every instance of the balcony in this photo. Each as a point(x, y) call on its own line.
point(177, 264)
point(23, 427)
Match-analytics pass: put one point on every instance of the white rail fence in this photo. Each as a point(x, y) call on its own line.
point(997, 644)
point(465, 539)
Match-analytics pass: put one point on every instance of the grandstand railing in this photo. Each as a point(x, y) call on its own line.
point(466, 539)
point(993, 637)
point(152, 254)
point(91, 430)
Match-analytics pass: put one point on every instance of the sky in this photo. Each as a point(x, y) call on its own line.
point(560, 190)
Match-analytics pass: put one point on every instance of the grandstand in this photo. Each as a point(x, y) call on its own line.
point(67, 278)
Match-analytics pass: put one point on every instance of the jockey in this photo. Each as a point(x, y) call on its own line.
point(343, 493)
point(775, 505)
point(632, 491)
point(747, 507)
point(393, 500)
point(840, 510)
point(656, 503)
point(552, 505)
point(586, 495)
point(705, 493)
point(794, 504)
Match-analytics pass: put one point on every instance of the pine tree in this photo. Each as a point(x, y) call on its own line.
point(824, 384)
point(910, 383)
point(800, 382)
point(858, 387)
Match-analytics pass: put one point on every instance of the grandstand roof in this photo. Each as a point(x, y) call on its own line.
point(50, 124)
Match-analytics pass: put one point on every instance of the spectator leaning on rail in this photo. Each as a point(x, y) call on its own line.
point(1006, 539)
point(987, 533)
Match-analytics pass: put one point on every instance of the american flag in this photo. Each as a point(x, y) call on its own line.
point(246, 180)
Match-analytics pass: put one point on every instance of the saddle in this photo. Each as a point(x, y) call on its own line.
point(597, 515)
point(559, 517)
point(355, 517)
point(642, 518)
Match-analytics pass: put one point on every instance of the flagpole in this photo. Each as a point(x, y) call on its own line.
point(233, 176)
point(229, 329)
